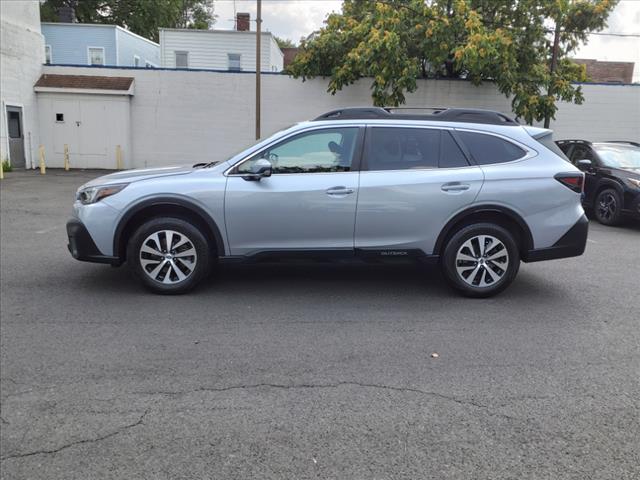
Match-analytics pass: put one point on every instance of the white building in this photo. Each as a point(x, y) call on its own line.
point(21, 59)
point(232, 50)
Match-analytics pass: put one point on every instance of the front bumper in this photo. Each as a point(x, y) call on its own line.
point(82, 247)
point(571, 244)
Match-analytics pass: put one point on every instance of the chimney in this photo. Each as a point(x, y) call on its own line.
point(243, 22)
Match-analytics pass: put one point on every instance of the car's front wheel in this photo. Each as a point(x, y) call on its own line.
point(481, 260)
point(169, 255)
point(608, 207)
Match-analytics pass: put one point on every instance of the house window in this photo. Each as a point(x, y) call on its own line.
point(234, 62)
point(96, 55)
point(136, 61)
point(59, 117)
point(47, 54)
point(182, 59)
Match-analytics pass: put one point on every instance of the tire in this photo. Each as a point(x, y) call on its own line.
point(498, 264)
point(608, 207)
point(171, 270)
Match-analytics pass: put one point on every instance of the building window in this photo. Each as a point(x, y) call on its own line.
point(136, 61)
point(47, 54)
point(96, 55)
point(59, 117)
point(234, 62)
point(182, 59)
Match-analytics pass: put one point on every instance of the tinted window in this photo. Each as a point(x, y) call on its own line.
point(402, 148)
point(487, 149)
point(450, 154)
point(581, 152)
point(329, 150)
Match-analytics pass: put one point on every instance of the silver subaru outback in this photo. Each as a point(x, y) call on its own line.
point(470, 190)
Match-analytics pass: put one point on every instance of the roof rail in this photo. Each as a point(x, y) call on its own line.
point(466, 115)
point(635, 144)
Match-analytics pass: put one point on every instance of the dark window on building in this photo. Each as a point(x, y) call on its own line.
point(488, 149)
point(182, 59)
point(234, 62)
point(450, 154)
point(59, 117)
point(392, 148)
point(14, 125)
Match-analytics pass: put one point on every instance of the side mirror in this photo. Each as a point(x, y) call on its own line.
point(260, 168)
point(584, 165)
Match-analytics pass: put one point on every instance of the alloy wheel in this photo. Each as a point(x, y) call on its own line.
point(482, 261)
point(607, 206)
point(168, 257)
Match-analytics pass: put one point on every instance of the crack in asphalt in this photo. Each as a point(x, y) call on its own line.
point(140, 421)
point(449, 398)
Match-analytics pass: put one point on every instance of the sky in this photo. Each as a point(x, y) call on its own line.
point(294, 19)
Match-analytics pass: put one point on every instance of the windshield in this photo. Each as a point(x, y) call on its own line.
point(619, 156)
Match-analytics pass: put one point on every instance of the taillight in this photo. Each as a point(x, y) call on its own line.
point(574, 181)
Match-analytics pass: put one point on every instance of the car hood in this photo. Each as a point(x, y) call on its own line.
point(137, 175)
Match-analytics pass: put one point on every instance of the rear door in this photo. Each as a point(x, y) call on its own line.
point(413, 180)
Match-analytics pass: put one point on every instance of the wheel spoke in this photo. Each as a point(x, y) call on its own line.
point(146, 248)
point(156, 271)
point(465, 257)
point(187, 253)
point(499, 254)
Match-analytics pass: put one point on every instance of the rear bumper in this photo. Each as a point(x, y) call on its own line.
point(572, 244)
point(82, 247)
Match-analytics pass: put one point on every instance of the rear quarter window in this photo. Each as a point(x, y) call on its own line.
point(489, 149)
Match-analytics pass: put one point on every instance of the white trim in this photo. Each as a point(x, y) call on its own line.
point(104, 56)
point(6, 122)
point(115, 34)
point(50, 55)
point(88, 91)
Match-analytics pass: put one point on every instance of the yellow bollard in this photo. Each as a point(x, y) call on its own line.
point(118, 157)
point(66, 157)
point(43, 168)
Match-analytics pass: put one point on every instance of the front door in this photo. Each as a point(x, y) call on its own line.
point(16, 137)
point(309, 201)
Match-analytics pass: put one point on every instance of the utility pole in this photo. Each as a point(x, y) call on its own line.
point(554, 66)
point(258, 38)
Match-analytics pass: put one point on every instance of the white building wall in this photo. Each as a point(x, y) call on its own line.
point(208, 49)
point(21, 59)
point(188, 117)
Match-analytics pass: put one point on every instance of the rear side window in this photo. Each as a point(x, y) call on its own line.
point(450, 154)
point(488, 149)
point(391, 148)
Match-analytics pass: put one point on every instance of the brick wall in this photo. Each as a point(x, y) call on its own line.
point(607, 72)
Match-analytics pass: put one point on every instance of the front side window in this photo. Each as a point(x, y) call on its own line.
point(319, 151)
point(234, 62)
point(392, 148)
point(488, 149)
point(96, 56)
point(182, 59)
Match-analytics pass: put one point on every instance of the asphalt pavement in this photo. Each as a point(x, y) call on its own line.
point(311, 371)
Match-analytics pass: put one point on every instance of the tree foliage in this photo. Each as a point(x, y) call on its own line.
point(395, 42)
point(143, 17)
point(284, 42)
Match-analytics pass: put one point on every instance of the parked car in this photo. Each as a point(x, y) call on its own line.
point(471, 190)
point(612, 182)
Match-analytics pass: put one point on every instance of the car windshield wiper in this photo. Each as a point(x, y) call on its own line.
point(205, 165)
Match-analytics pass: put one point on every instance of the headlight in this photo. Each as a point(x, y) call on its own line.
point(94, 194)
point(635, 182)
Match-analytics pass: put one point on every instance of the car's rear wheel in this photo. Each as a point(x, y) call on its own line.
point(608, 207)
point(169, 255)
point(481, 260)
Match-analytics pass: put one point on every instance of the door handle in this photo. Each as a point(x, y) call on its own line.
point(339, 191)
point(455, 187)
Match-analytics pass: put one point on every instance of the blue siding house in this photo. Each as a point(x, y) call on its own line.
point(97, 44)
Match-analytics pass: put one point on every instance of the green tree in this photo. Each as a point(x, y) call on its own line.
point(143, 17)
point(284, 42)
point(395, 42)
